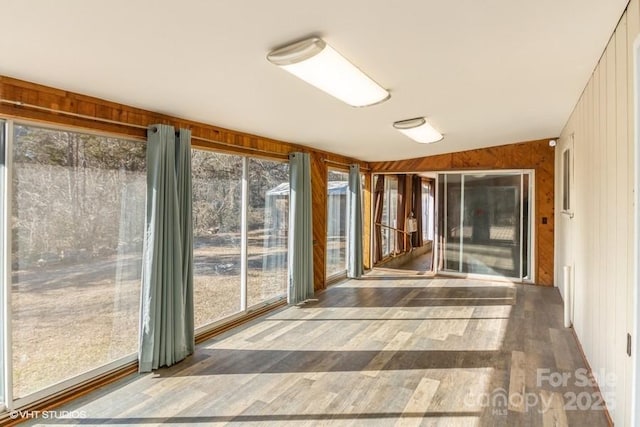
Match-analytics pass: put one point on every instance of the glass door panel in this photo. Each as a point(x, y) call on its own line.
point(526, 226)
point(491, 225)
point(452, 226)
point(484, 225)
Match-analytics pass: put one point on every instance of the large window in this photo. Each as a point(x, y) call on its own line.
point(72, 228)
point(427, 211)
point(217, 207)
point(390, 216)
point(77, 227)
point(566, 180)
point(3, 263)
point(268, 223)
point(238, 263)
point(337, 189)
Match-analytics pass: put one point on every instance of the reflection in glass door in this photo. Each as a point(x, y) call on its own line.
point(484, 226)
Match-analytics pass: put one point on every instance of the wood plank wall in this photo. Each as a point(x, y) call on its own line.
point(319, 178)
point(33, 95)
point(535, 155)
point(597, 241)
point(366, 224)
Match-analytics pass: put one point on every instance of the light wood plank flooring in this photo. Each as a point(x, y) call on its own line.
point(390, 352)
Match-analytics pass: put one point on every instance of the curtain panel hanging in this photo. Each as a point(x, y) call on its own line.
point(166, 315)
point(300, 229)
point(354, 240)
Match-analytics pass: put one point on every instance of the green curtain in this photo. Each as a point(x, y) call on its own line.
point(300, 229)
point(166, 315)
point(354, 240)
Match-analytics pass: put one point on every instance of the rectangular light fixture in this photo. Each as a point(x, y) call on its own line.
point(419, 130)
point(318, 64)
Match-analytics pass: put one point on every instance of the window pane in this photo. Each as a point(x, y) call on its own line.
point(566, 180)
point(337, 188)
point(427, 216)
point(217, 200)
point(390, 215)
point(267, 223)
point(384, 230)
point(526, 224)
point(78, 209)
point(2, 259)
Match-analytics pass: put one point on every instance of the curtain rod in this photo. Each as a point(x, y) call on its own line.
point(116, 122)
point(335, 162)
point(69, 113)
point(241, 147)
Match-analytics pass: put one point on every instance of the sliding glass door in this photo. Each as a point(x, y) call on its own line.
point(484, 224)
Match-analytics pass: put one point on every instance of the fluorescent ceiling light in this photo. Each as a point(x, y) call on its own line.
point(419, 130)
point(318, 64)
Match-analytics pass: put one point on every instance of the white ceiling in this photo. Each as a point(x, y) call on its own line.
point(485, 72)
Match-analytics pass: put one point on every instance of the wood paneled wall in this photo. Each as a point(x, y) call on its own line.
point(366, 224)
point(319, 177)
point(55, 106)
point(598, 240)
point(535, 155)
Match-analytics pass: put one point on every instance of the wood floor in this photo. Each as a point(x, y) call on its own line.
point(378, 351)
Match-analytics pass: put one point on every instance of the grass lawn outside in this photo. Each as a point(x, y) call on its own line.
point(71, 317)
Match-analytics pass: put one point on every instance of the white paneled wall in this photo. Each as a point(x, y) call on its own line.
point(597, 241)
